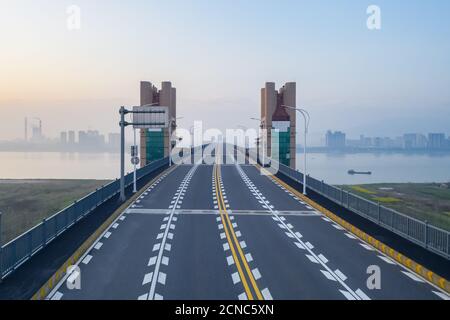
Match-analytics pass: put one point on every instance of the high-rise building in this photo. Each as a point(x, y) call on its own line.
point(91, 139)
point(335, 140)
point(63, 137)
point(436, 141)
point(279, 122)
point(414, 141)
point(71, 137)
point(114, 140)
point(154, 143)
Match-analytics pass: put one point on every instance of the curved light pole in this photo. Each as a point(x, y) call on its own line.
point(307, 118)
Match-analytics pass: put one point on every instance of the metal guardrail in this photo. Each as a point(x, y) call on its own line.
point(430, 237)
point(14, 253)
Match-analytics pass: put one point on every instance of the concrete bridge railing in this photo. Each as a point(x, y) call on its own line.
point(430, 237)
point(14, 253)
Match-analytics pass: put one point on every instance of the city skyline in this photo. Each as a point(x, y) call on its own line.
point(405, 140)
point(432, 141)
point(393, 80)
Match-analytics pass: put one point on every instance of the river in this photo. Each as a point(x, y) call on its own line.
point(332, 168)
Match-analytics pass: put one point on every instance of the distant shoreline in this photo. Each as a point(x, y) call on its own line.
point(323, 150)
point(313, 150)
point(11, 150)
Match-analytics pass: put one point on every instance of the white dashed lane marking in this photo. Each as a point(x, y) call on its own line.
point(87, 259)
point(317, 259)
point(442, 295)
point(386, 259)
point(340, 274)
point(413, 276)
point(157, 276)
point(365, 246)
point(57, 296)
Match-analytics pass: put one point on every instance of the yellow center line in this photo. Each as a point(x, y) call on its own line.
point(238, 246)
point(230, 242)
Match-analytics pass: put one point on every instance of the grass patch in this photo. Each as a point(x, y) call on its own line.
point(362, 190)
point(423, 201)
point(25, 203)
point(386, 199)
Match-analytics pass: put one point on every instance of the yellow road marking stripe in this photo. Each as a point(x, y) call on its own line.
point(229, 240)
point(241, 253)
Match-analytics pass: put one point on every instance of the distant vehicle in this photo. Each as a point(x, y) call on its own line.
point(359, 172)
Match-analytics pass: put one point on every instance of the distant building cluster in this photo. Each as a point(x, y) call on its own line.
point(89, 140)
point(409, 141)
point(335, 140)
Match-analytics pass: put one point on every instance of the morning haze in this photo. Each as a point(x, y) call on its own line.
point(374, 82)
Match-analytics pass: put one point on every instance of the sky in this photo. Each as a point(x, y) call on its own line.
point(218, 54)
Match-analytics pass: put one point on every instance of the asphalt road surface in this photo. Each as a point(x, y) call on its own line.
point(224, 231)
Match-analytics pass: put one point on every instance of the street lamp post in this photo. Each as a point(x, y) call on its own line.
point(122, 112)
point(306, 117)
point(134, 162)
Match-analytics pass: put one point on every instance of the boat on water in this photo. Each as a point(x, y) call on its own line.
point(359, 172)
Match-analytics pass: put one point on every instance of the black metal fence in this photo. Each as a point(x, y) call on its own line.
point(20, 249)
point(420, 232)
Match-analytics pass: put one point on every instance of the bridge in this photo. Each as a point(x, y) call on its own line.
point(226, 231)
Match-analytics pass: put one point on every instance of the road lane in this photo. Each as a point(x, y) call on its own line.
point(227, 232)
point(336, 246)
point(105, 268)
point(288, 273)
point(198, 267)
point(159, 259)
point(160, 196)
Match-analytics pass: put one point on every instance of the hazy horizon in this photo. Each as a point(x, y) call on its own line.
point(218, 55)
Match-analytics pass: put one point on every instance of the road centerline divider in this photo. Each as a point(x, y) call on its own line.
point(229, 239)
point(233, 242)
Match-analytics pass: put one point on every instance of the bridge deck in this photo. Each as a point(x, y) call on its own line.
point(227, 232)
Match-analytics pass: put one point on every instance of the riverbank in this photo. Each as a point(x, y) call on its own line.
point(424, 201)
point(25, 203)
